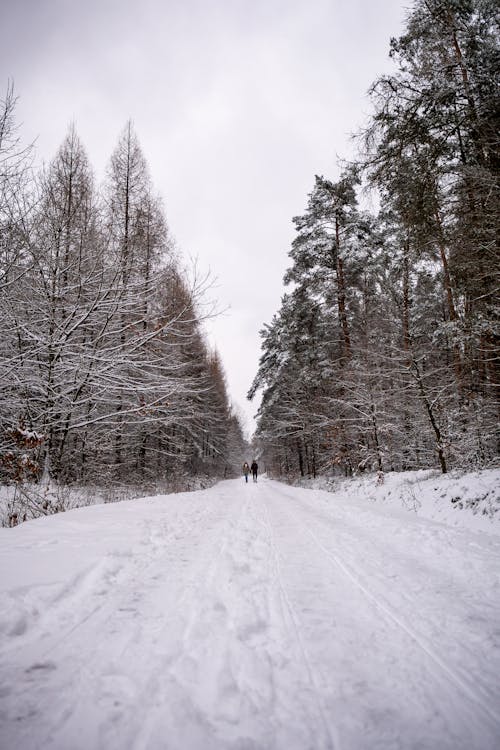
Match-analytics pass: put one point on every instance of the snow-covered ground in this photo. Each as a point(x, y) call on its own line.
point(463, 499)
point(254, 616)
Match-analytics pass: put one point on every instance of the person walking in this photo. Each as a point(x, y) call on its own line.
point(246, 471)
point(255, 469)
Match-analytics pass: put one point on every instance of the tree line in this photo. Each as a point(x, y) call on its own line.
point(384, 354)
point(105, 374)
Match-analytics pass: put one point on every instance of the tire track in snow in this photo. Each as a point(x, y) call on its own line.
point(355, 532)
point(89, 659)
point(486, 710)
point(162, 681)
point(242, 593)
point(173, 687)
point(114, 569)
point(258, 633)
point(331, 732)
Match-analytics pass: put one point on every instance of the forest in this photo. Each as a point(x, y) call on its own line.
point(384, 353)
point(105, 373)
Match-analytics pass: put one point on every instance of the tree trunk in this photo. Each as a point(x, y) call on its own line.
point(430, 413)
point(341, 293)
point(406, 295)
point(300, 457)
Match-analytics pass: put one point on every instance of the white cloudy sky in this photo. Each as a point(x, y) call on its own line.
point(237, 105)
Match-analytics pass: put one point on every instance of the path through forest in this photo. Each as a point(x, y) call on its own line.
point(251, 616)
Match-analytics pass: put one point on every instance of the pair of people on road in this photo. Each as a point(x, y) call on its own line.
point(254, 468)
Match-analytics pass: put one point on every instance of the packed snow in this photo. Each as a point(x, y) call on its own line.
point(249, 616)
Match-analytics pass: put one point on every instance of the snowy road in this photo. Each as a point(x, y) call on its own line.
point(248, 617)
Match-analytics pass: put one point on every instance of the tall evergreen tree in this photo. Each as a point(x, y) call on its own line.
point(406, 372)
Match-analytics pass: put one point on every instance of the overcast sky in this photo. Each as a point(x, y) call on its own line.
point(237, 105)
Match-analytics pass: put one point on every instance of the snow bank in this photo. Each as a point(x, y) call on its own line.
point(26, 501)
point(465, 500)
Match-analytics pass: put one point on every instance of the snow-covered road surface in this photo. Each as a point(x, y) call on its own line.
point(250, 617)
